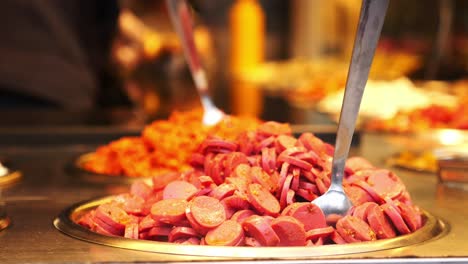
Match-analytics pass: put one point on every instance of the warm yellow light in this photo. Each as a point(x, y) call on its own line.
point(450, 137)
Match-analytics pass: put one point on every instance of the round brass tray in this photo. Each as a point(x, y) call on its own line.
point(65, 222)
point(77, 169)
point(11, 176)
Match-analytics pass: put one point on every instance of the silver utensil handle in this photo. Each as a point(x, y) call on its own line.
point(183, 25)
point(368, 32)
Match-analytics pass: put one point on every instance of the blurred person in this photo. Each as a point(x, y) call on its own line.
point(56, 53)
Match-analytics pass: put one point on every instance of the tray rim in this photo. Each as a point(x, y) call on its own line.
point(434, 228)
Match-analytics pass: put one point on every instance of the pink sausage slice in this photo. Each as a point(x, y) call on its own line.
point(113, 216)
point(160, 181)
point(385, 183)
point(322, 232)
point(207, 211)
point(289, 230)
point(262, 200)
point(353, 229)
point(180, 232)
point(337, 238)
point(179, 190)
point(379, 223)
point(396, 218)
point(411, 216)
point(223, 190)
point(229, 233)
point(308, 214)
point(259, 228)
point(361, 211)
point(140, 188)
point(170, 211)
point(131, 231)
point(241, 215)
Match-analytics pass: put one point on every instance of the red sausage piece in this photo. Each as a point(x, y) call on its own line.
point(289, 230)
point(179, 190)
point(170, 211)
point(411, 216)
point(353, 229)
point(113, 216)
point(207, 211)
point(229, 233)
point(308, 214)
point(259, 228)
point(262, 200)
point(379, 223)
point(396, 218)
point(180, 232)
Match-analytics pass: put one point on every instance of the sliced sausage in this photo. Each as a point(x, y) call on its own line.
point(229, 233)
point(259, 176)
point(262, 200)
point(180, 232)
point(170, 211)
point(223, 190)
point(207, 211)
point(385, 183)
point(160, 181)
point(396, 218)
point(361, 211)
point(357, 195)
point(411, 216)
point(379, 223)
point(258, 227)
point(289, 230)
point(314, 234)
point(113, 216)
point(179, 190)
point(308, 214)
point(337, 238)
point(353, 229)
point(284, 142)
point(140, 188)
point(131, 231)
point(370, 190)
point(241, 215)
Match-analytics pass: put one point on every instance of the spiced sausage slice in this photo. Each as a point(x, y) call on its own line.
point(353, 229)
point(229, 233)
point(289, 230)
point(309, 214)
point(169, 211)
point(262, 200)
point(207, 211)
point(379, 222)
point(259, 228)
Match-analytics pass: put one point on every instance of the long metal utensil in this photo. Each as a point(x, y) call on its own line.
point(335, 201)
point(182, 21)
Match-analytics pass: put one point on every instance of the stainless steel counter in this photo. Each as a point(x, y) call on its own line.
point(46, 188)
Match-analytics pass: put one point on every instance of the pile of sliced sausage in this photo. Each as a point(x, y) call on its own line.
point(256, 191)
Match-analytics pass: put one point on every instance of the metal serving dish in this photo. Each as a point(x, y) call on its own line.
point(8, 175)
point(433, 228)
point(77, 169)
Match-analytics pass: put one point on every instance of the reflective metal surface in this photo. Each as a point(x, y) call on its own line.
point(47, 188)
point(77, 168)
point(432, 229)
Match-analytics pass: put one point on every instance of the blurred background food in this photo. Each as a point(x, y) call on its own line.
point(287, 60)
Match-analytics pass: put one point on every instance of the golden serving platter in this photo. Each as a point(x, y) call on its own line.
point(8, 176)
point(77, 169)
point(433, 228)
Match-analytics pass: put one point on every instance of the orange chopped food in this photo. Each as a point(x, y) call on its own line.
point(164, 145)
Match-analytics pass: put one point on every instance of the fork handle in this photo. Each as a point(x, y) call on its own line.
point(371, 20)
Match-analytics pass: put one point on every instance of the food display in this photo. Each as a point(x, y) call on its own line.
point(424, 118)
point(164, 145)
point(254, 190)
